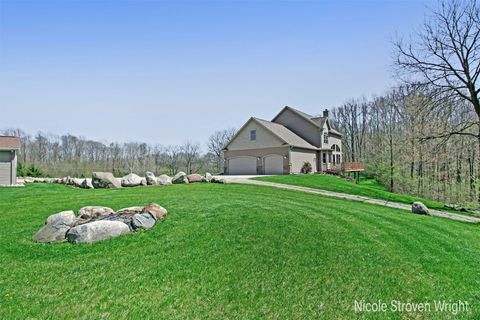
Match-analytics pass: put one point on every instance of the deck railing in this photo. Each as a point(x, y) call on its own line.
point(347, 167)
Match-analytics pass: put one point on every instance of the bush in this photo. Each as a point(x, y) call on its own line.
point(307, 167)
point(21, 170)
point(33, 171)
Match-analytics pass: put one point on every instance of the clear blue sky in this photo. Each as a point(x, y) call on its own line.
point(166, 72)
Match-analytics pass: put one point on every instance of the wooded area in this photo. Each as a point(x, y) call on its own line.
point(423, 137)
point(69, 155)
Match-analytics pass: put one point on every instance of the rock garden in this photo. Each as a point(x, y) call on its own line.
point(94, 223)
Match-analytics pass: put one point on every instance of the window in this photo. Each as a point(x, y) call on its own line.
point(325, 137)
point(253, 135)
point(335, 148)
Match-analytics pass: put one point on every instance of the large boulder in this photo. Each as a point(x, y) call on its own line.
point(96, 231)
point(164, 179)
point(90, 212)
point(157, 211)
point(151, 179)
point(76, 182)
point(143, 221)
point(55, 228)
point(195, 177)
point(180, 177)
point(218, 180)
point(105, 180)
point(208, 177)
point(87, 184)
point(420, 208)
point(131, 180)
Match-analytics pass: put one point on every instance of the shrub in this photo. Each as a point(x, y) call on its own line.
point(307, 167)
point(21, 170)
point(33, 171)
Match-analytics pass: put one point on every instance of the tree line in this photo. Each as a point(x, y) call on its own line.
point(69, 155)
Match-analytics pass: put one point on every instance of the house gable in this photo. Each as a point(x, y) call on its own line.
point(301, 124)
point(264, 138)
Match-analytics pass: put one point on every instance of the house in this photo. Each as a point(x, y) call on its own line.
point(9, 147)
point(283, 145)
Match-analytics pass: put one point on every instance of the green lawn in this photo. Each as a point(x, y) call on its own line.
point(233, 252)
point(367, 187)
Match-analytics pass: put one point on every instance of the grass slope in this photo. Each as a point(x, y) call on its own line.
point(232, 252)
point(367, 187)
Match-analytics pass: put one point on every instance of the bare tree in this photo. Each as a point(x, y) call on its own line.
point(190, 153)
point(216, 142)
point(445, 55)
point(172, 154)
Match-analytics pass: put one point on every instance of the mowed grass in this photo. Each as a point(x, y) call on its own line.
point(366, 187)
point(233, 252)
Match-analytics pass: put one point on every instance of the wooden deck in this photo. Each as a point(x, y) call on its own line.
point(348, 167)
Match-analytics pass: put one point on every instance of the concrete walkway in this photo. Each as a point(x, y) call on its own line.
point(396, 205)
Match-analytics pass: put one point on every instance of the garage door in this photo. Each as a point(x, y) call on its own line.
point(5, 165)
point(273, 164)
point(243, 165)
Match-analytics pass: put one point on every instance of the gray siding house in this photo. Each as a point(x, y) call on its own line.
point(283, 145)
point(9, 147)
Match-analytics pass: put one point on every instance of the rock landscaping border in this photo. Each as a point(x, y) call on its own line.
point(102, 180)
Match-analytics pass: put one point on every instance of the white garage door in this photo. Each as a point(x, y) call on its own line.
point(242, 165)
point(273, 164)
point(5, 167)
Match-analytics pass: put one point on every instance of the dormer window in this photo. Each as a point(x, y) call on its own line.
point(253, 135)
point(325, 137)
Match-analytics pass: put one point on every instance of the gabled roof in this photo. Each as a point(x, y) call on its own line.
point(302, 114)
point(316, 121)
point(9, 143)
point(279, 131)
point(284, 134)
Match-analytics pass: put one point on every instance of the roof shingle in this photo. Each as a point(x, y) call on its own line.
point(285, 134)
point(8, 142)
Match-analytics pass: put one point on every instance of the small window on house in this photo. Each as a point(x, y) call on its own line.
point(253, 135)
point(325, 137)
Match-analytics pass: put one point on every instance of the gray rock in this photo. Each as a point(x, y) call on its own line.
point(131, 180)
point(64, 217)
point(96, 231)
point(143, 221)
point(105, 180)
point(217, 180)
point(93, 212)
point(420, 208)
point(87, 184)
point(164, 179)
point(151, 179)
point(76, 182)
point(180, 177)
point(55, 228)
point(208, 177)
point(195, 177)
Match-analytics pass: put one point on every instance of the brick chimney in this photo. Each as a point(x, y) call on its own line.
point(326, 113)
